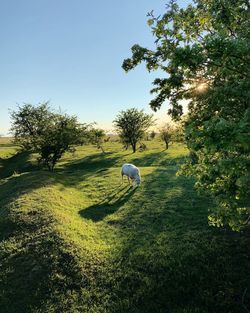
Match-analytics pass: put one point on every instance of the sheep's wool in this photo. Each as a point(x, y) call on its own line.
point(132, 172)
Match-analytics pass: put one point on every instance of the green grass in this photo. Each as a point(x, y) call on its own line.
point(78, 240)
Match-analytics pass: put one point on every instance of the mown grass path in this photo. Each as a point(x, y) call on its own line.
point(78, 240)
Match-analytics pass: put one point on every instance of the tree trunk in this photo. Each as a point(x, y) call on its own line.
point(134, 147)
point(166, 145)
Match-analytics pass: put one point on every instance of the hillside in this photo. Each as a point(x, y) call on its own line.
point(77, 240)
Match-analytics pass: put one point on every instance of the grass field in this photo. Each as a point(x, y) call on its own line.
point(77, 240)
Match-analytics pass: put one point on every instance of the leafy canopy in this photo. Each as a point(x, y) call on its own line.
point(203, 49)
point(49, 134)
point(29, 122)
point(131, 126)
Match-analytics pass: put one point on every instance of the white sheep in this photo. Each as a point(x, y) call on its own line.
point(132, 172)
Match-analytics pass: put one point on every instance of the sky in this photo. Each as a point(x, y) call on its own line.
point(70, 52)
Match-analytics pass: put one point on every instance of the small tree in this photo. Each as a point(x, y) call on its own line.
point(96, 136)
point(38, 129)
point(152, 134)
point(166, 134)
point(131, 126)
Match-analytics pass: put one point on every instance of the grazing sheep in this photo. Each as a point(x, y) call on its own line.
point(132, 172)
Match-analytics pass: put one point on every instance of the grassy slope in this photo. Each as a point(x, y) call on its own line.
point(79, 241)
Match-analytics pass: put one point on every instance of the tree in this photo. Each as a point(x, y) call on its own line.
point(152, 134)
point(84, 136)
point(61, 136)
point(29, 122)
point(204, 51)
point(96, 137)
point(166, 133)
point(38, 129)
point(131, 126)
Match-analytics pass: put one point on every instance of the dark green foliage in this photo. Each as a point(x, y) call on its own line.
point(29, 122)
point(204, 51)
point(61, 136)
point(50, 134)
point(96, 137)
point(131, 126)
point(84, 133)
point(221, 165)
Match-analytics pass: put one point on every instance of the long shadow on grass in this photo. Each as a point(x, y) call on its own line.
point(24, 269)
point(97, 163)
point(170, 260)
point(108, 205)
point(100, 162)
point(17, 163)
point(11, 189)
point(34, 262)
point(93, 162)
point(160, 158)
point(82, 169)
point(7, 145)
point(36, 265)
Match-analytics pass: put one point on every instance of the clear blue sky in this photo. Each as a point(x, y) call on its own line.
point(70, 52)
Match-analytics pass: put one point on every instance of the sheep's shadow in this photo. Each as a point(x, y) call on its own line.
point(108, 205)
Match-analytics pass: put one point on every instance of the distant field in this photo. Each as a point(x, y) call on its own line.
point(6, 147)
point(78, 240)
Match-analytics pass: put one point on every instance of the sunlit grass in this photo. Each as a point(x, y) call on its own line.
point(78, 240)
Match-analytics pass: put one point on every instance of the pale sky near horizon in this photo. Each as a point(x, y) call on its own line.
point(70, 53)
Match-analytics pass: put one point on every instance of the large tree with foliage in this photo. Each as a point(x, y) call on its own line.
point(50, 134)
point(131, 126)
point(203, 49)
point(29, 122)
point(62, 135)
